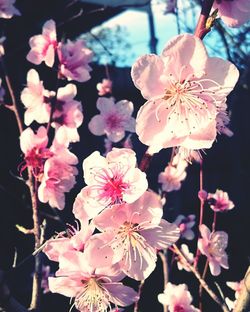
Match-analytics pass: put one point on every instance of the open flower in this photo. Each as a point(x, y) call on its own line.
point(109, 180)
point(93, 289)
point(132, 233)
point(73, 60)
point(189, 256)
point(177, 298)
point(213, 245)
point(114, 119)
point(7, 9)
point(184, 88)
point(43, 46)
point(34, 147)
point(68, 113)
point(219, 201)
point(36, 100)
point(234, 13)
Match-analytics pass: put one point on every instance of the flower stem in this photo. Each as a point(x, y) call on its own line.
point(201, 211)
point(214, 221)
point(200, 288)
point(165, 273)
point(201, 280)
point(201, 28)
point(136, 308)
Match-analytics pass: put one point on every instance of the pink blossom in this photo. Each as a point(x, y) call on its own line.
point(173, 175)
point(222, 122)
point(233, 13)
point(94, 289)
point(189, 257)
point(132, 233)
point(213, 245)
point(74, 58)
point(237, 287)
point(219, 201)
point(7, 9)
point(36, 100)
point(43, 46)
point(177, 298)
point(184, 88)
point(59, 174)
point(68, 113)
point(113, 120)
point(104, 87)
point(185, 225)
point(71, 239)
point(34, 147)
point(110, 180)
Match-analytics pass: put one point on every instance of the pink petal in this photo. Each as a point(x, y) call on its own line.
point(66, 286)
point(121, 295)
point(146, 73)
point(162, 236)
point(56, 247)
point(105, 105)
point(214, 267)
point(205, 232)
point(97, 125)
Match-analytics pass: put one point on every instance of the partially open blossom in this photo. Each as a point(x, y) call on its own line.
point(213, 246)
point(237, 287)
point(68, 112)
point(34, 147)
point(43, 46)
point(71, 239)
point(219, 201)
point(104, 87)
point(234, 13)
point(93, 289)
point(7, 9)
point(74, 59)
point(132, 233)
point(36, 100)
point(114, 119)
point(59, 174)
point(189, 256)
point(173, 175)
point(185, 225)
point(185, 89)
point(177, 298)
point(110, 180)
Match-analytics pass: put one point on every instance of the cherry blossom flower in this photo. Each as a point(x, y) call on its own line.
point(237, 287)
point(94, 289)
point(177, 298)
point(104, 87)
point(34, 147)
point(113, 120)
point(185, 89)
point(59, 174)
point(36, 100)
point(109, 180)
point(68, 113)
point(132, 233)
point(213, 245)
point(71, 239)
point(219, 201)
point(73, 60)
point(233, 13)
point(185, 225)
point(189, 256)
point(43, 46)
point(173, 175)
point(7, 9)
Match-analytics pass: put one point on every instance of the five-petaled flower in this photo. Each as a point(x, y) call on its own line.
point(219, 201)
point(213, 246)
point(114, 119)
point(185, 90)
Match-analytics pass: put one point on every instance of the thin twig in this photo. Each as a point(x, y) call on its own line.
point(201, 280)
point(165, 273)
point(136, 308)
point(201, 29)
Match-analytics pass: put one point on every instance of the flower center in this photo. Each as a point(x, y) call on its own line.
point(113, 121)
point(179, 308)
point(94, 297)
